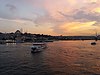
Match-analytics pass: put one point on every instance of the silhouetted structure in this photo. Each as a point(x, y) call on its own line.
point(19, 37)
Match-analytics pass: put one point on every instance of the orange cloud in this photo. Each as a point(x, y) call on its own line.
point(72, 2)
point(93, 0)
point(77, 27)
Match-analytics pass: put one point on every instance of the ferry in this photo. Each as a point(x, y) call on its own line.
point(38, 47)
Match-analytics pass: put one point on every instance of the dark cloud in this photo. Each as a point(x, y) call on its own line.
point(26, 19)
point(11, 7)
point(8, 11)
point(63, 14)
point(86, 16)
point(82, 15)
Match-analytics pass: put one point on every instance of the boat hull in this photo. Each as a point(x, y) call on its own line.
point(35, 51)
point(93, 43)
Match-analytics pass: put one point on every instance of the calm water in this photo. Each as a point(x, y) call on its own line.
point(60, 58)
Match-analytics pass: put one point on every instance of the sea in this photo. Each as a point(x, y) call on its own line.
point(59, 58)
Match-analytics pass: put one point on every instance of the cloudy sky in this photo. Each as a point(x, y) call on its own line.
point(54, 17)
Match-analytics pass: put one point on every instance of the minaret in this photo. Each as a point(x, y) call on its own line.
point(96, 34)
point(96, 37)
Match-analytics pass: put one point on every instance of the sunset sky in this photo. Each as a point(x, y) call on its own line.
point(54, 17)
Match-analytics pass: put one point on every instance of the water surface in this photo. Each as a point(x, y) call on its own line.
point(60, 58)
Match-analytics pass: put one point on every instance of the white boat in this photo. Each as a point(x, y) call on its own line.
point(38, 47)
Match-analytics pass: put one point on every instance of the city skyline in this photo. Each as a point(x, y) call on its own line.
point(53, 17)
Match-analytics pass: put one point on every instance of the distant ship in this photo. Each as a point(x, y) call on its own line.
point(96, 39)
point(93, 43)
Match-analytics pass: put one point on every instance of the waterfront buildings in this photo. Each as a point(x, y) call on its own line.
point(20, 37)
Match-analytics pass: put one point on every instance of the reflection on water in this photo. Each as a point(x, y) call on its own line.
point(60, 58)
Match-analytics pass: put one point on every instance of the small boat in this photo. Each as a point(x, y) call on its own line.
point(38, 47)
point(93, 43)
point(96, 39)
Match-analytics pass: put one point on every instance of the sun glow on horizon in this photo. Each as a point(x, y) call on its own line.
point(77, 27)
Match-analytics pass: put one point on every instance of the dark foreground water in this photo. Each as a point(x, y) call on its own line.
point(60, 58)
